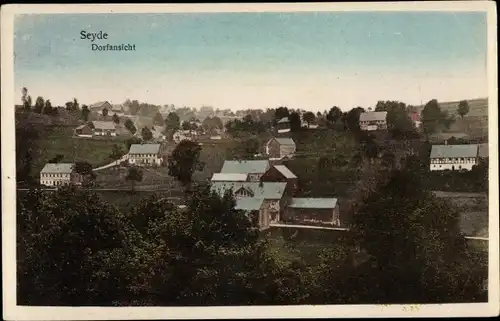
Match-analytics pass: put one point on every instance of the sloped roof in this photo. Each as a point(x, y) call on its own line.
point(99, 104)
point(229, 177)
point(373, 116)
point(81, 126)
point(108, 125)
point(245, 166)
point(313, 203)
point(283, 120)
point(483, 150)
point(249, 203)
point(59, 168)
point(285, 171)
point(265, 190)
point(285, 141)
point(144, 148)
point(454, 151)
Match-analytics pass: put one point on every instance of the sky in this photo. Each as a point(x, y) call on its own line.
point(302, 60)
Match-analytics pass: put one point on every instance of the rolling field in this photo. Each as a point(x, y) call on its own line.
point(58, 140)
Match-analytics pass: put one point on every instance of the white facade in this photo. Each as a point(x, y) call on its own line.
point(457, 163)
point(55, 179)
point(181, 135)
point(144, 159)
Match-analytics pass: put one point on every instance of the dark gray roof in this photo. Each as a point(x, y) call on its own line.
point(245, 166)
point(285, 171)
point(483, 150)
point(373, 116)
point(144, 148)
point(58, 168)
point(265, 190)
point(229, 177)
point(454, 151)
point(249, 203)
point(285, 141)
point(313, 203)
point(107, 125)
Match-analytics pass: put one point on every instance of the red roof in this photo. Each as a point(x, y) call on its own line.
point(415, 116)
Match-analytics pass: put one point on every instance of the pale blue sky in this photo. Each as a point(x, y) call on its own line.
point(303, 60)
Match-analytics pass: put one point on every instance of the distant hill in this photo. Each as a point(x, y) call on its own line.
point(478, 107)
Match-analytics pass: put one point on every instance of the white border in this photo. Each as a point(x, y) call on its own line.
point(13, 312)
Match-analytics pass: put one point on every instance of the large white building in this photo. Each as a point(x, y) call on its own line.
point(453, 157)
point(59, 174)
point(373, 120)
point(145, 155)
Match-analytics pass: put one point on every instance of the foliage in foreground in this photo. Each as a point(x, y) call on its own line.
point(74, 249)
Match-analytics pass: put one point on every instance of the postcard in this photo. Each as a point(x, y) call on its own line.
point(307, 160)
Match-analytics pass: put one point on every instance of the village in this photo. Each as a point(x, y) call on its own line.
point(262, 184)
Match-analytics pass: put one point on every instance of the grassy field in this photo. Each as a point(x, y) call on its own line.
point(114, 177)
point(124, 200)
point(474, 209)
point(58, 140)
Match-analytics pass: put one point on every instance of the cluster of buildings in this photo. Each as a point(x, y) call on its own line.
point(267, 193)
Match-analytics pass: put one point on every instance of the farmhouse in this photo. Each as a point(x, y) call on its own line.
point(103, 128)
point(145, 155)
point(229, 177)
point(84, 131)
point(272, 195)
point(100, 106)
point(283, 125)
point(313, 210)
point(59, 174)
point(256, 211)
point(453, 157)
point(373, 120)
point(253, 168)
point(278, 148)
point(281, 173)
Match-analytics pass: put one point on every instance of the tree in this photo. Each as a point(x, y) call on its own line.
point(129, 124)
point(72, 249)
point(352, 119)
point(309, 117)
point(172, 122)
point(116, 153)
point(295, 123)
point(75, 105)
point(134, 175)
point(85, 169)
point(85, 112)
point(333, 115)
point(26, 99)
point(398, 118)
point(463, 108)
point(184, 161)
point(47, 109)
point(414, 240)
point(433, 117)
point(280, 113)
point(245, 148)
point(146, 134)
point(116, 119)
point(158, 119)
point(56, 159)
point(105, 112)
point(133, 140)
point(39, 104)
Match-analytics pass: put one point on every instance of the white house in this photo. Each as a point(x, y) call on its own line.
point(453, 157)
point(145, 155)
point(373, 120)
point(59, 174)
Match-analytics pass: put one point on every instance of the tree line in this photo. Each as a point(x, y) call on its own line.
point(76, 249)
